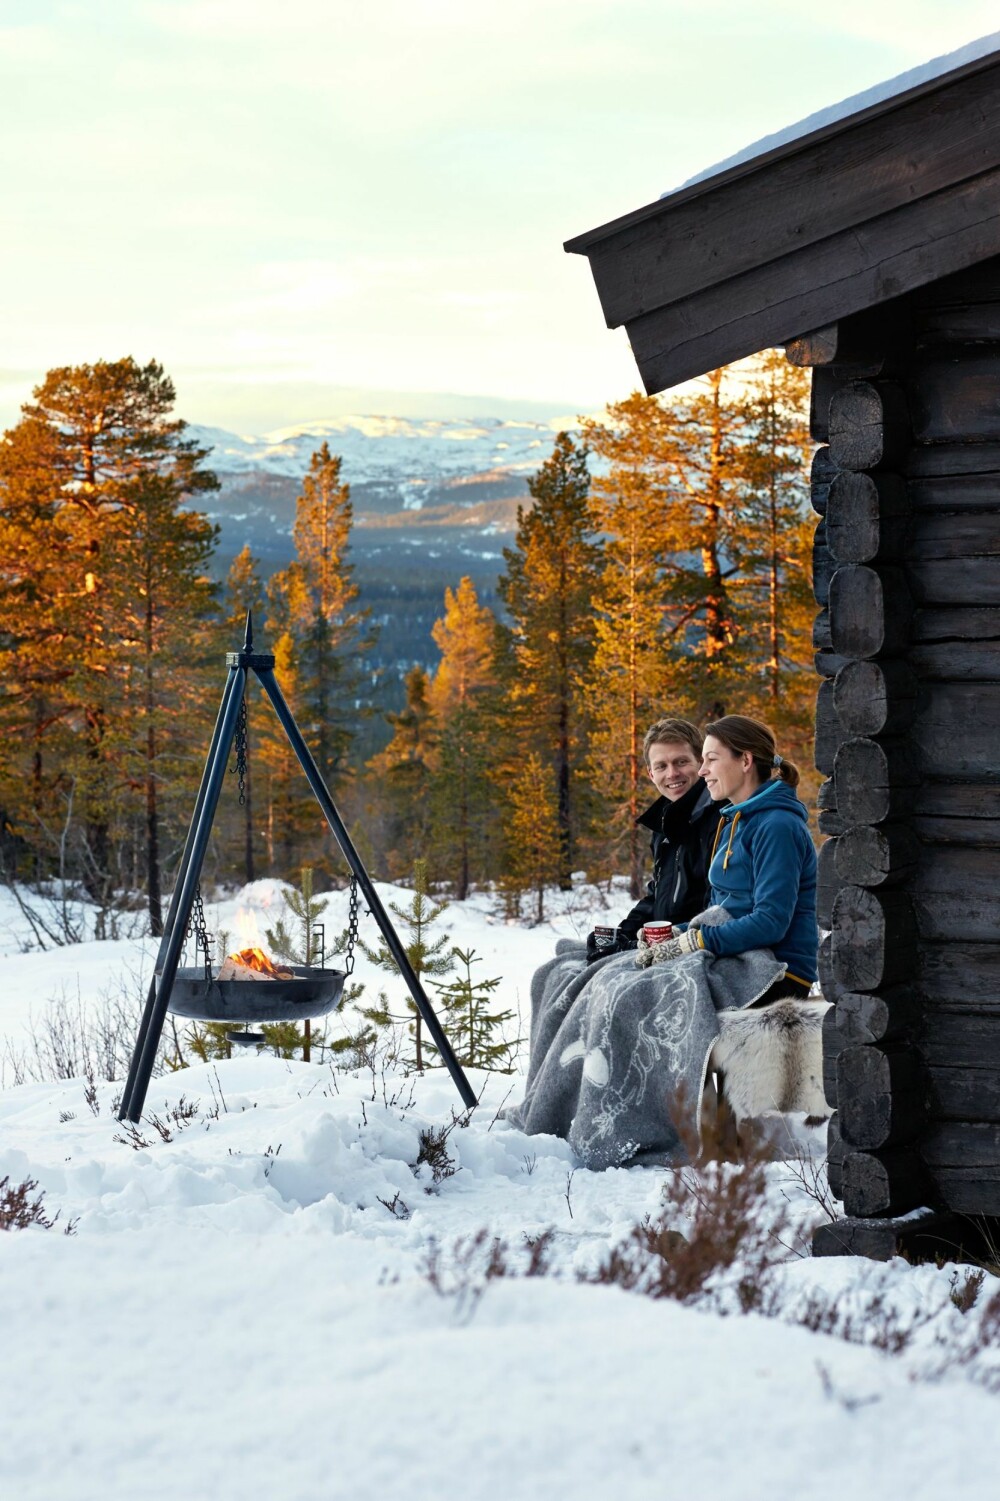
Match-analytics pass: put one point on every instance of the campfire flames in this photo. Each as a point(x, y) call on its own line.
point(255, 959)
point(251, 962)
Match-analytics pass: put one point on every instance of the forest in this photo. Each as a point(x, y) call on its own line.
point(661, 565)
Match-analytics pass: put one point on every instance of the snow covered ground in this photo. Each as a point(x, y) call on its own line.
point(248, 1308)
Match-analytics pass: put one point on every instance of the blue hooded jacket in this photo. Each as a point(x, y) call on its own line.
point(764, 873)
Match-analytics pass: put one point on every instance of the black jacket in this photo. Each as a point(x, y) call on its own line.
point(683, 833)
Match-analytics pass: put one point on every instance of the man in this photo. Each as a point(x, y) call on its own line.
point(683, 822)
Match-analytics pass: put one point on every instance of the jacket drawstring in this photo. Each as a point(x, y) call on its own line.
point(729, 846)
point(715, 842)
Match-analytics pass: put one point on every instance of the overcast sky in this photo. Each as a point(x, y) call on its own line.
point(312, 207)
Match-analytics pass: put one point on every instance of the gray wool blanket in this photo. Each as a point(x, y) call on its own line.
point(618, 1051)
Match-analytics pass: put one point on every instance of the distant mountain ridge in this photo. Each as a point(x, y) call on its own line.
point(403, 454)
point(433, 498)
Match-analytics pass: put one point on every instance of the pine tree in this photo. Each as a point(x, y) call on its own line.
point(468, 1022)
point(317, 597)
point(460, 792)
point(427, 955)
point(111, 589)
point(548, 589)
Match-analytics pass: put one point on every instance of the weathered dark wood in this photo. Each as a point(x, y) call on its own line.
point(944, 461)
point(823, 565)
point(816, 348)
point(952, 581)
point(875, 780)
point(953, 397)
point(869, 425)
point(824, 965)
point(858, 347)
point(875, 698)
point(830, 733)
point(828, 664)
point(960, 623)
point(892, 1181)
point(773, 302)
point(881, 856)
point(866, 517)
point(829, 819)
point(821, 389)
point(969, 323)
point(825, 184)
point(924, 1235)
point(822, 639)
point(963, 1162)
point(953, 492)
point(959, 977)
point(976, 833)
point(828, 882)
point(834, 1157)
point(956, 730)
point(956, 895)
point(874, 938)
point(962, 1055)
point(893, 1015)
point(823, 471)
point(956, 661)
point(871, 611)
point(979, 283)
point(958, 800)
point(881, 1096)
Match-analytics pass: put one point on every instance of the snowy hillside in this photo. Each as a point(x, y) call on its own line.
point(267, 1294)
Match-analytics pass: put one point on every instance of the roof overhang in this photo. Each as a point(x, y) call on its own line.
point(832, 223)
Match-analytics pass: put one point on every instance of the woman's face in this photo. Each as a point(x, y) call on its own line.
point(727, 776)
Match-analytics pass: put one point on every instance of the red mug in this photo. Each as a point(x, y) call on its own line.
point(657, 932)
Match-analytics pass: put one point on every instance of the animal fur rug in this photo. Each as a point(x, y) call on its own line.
point(617, 1051)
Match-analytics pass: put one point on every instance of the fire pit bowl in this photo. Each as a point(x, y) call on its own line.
point(310, 992)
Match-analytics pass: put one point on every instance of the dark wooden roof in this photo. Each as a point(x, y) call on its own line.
point(837, 221)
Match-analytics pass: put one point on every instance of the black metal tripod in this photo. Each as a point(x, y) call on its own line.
point(240, 663)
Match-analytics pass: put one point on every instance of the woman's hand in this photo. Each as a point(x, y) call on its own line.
point(671, 948)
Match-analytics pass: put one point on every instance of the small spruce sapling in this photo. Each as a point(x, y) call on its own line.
point(298, 948)
point(472, 1028)
point(426, 954)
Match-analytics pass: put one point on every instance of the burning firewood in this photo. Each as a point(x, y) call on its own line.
point(252, 964)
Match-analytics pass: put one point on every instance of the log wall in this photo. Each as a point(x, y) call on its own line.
point(907, 577)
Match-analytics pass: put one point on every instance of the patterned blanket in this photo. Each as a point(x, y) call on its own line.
point(617, 1051)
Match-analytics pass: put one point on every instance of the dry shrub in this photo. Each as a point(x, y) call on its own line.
point(19, 1211)
point(474, 1261)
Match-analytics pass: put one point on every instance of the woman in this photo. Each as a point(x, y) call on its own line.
point(763, 869)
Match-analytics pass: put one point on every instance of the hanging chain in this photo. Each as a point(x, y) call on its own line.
point(197, 930)
point(352, 925)
point(241, 751)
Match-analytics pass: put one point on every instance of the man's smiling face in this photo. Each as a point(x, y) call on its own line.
point(673, 768)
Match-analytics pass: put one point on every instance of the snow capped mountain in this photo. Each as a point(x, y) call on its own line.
point(400, 454)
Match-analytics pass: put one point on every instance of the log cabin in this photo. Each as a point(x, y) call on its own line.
point(868, 247)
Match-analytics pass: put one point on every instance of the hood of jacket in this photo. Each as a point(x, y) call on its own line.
point(767, 799)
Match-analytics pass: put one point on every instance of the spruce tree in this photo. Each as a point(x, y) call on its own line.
point(548, 588)
point(426, 954)
point(473, 1029)
point(461, 795)
point(531, 832)
point(401, 778)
